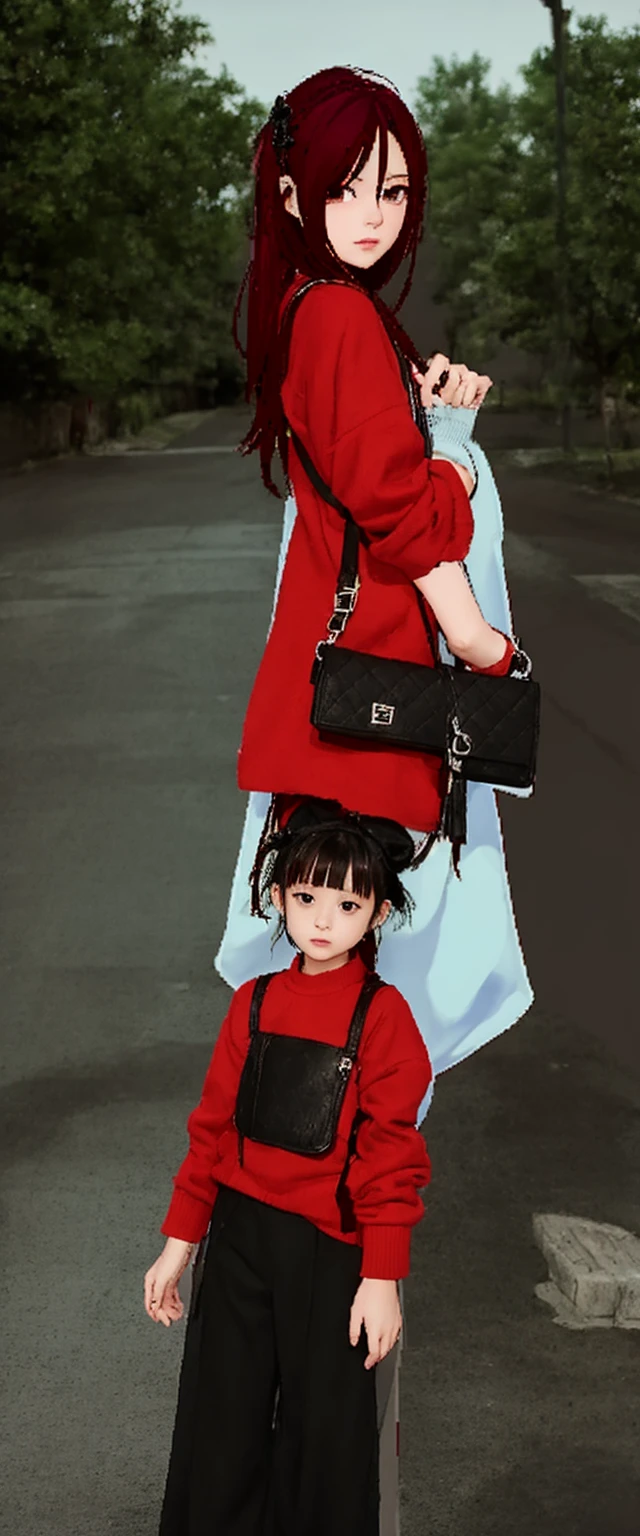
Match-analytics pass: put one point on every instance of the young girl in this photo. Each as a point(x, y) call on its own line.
point(340, 171)
point(276, 1431)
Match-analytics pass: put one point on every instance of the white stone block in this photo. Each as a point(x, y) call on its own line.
point(595, 1265)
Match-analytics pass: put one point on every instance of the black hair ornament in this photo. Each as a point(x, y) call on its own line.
point(394, 842)
point(282, 138)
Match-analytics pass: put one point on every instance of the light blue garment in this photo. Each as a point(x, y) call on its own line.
point(459, 964)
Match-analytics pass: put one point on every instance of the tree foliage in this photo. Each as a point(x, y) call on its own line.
point(498, 172)
point(471, 152)
point(123, 184)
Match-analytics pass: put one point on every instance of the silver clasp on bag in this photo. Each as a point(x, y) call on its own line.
point(460, 744)
point(344, 1065)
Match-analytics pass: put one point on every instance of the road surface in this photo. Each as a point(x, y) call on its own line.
point(136, 593)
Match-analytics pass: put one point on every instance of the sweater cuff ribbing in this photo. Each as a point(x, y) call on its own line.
point(386, 1253)
point(187, 1217)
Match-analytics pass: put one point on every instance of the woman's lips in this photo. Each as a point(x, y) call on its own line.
point(367, 242)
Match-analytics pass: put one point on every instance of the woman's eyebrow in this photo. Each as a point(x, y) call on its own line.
point(393, 176)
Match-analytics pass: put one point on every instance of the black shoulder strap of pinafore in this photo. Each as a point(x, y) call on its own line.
point(257, 998)
point(370, 986)
point(348, 574)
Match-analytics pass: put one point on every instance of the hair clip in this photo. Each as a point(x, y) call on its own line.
point(280, 117)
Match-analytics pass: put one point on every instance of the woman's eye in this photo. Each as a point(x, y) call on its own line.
point(391, 192)
point(339, 197)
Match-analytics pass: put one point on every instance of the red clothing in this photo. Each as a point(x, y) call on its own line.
point(381, 1203)
point(344, 396)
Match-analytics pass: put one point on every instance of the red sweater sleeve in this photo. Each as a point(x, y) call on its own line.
point(391, 1162)
point(345, 393)
point(194, 1188)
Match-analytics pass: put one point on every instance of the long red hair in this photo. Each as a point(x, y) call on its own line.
point(335, 115)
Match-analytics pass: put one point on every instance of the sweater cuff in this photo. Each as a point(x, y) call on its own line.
point(501, 667)
point(187, 1217)
point(385, 1253)
point(450, 427)
point(451, 430)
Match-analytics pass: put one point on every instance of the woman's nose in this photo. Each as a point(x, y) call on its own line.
point(375, 215)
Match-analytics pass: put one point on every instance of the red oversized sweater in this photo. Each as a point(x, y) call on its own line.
point(344, 396)
point(379, 1203)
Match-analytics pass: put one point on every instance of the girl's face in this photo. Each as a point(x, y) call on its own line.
point(360, 228)
point(325, 923)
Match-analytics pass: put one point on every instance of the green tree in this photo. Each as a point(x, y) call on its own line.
point(123, 186)
point(513, 274)
point(467, 128)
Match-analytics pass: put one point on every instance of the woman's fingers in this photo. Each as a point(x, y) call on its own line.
point(437, 365)
point(484, 385)
point(451, 383)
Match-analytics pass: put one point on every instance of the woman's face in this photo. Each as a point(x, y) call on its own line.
point(359, 228)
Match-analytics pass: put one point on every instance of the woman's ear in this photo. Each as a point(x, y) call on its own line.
point(291, 199)
point(276, 899)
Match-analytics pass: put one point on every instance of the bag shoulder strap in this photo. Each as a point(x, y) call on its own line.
point(347, 586)
point(262, 982)
point(370, 986)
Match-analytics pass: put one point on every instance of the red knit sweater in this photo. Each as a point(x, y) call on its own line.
point(344, 396)
point(379, 1203)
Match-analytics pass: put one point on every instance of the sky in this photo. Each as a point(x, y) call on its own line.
point(269, 45)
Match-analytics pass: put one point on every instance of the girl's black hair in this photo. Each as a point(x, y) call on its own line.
point(325, 854)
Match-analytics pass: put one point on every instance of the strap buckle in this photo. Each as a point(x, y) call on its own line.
point(344, 604)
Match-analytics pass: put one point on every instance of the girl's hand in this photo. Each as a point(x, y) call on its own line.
point(376, 1304)
point(461, 387)
point(161, 1296)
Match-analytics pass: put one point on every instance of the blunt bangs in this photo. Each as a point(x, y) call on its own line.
point(327, 859)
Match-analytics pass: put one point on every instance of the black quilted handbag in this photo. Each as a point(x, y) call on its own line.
point(291, 1089)
point(486, 728)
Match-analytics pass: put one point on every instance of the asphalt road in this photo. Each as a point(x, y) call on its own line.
point(136, 593)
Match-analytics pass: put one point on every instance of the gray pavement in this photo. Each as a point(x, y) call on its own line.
point(135, 599)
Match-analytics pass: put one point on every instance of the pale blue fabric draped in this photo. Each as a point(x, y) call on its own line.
point(459, 965)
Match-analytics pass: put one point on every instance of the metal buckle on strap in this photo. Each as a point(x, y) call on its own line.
point(345, 602)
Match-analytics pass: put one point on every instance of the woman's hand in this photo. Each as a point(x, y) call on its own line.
point(376, 1305)
point(461, 387)
point(161, 1296)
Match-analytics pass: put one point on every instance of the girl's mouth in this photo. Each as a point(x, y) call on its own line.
point(367, 243)
point(321, 941)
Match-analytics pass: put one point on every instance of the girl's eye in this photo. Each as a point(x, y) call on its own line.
point(390, 193)
point(304, 896)
point(350, 906)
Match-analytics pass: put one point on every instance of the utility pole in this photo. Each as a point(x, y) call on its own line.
point(559, 19)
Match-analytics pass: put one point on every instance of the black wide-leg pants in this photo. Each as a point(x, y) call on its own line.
point(275, 1431)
